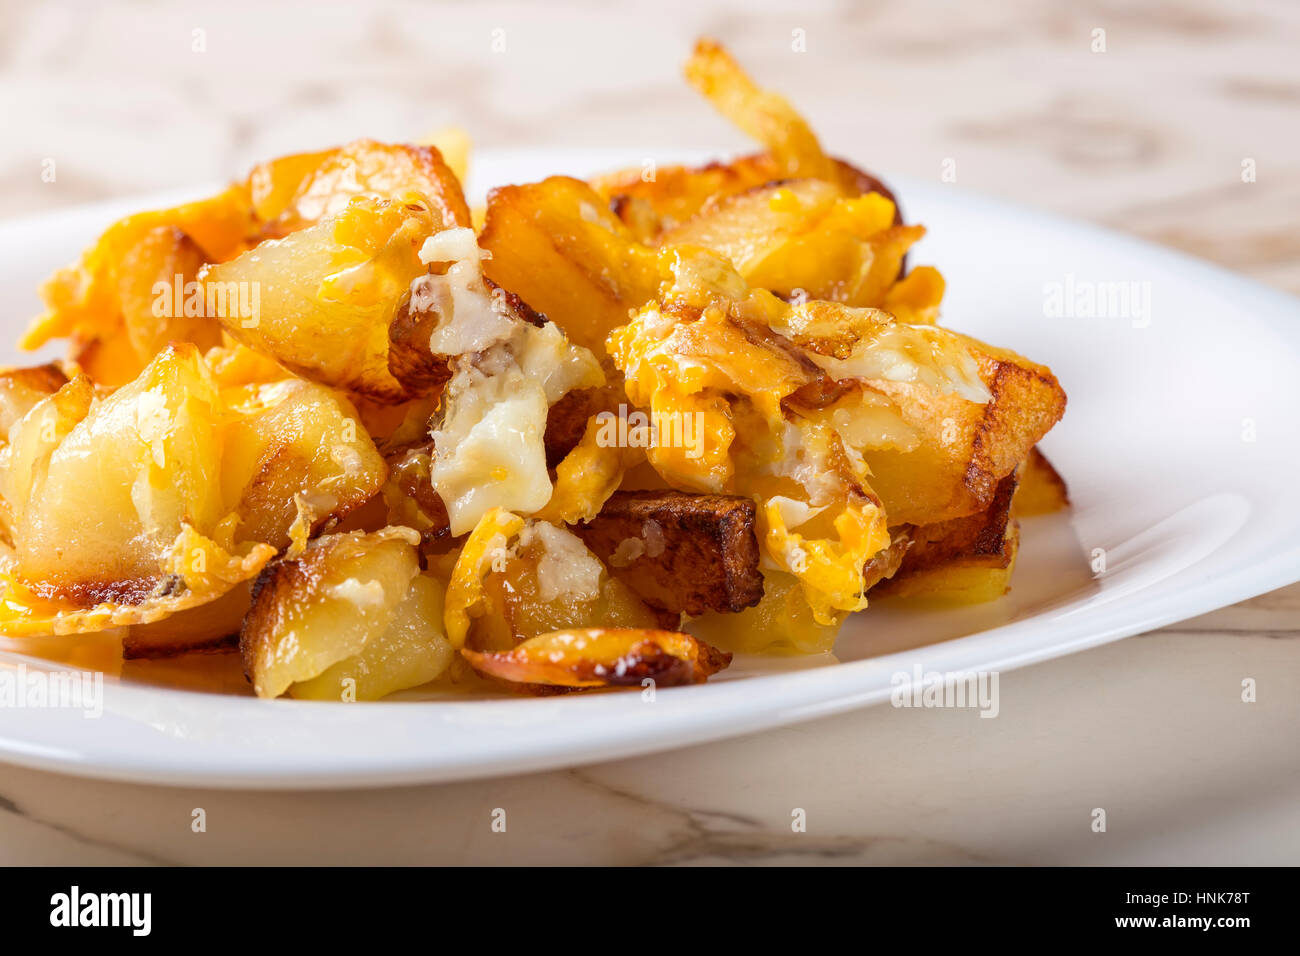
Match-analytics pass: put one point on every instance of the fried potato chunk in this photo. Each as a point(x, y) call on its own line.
point(165, 494)
point(963, 560)
point(323, 297)
point(351, 618)
point(515, 580)
point(295, 192)
point(680, 552)
point(557, 246)
point(1042, 490)
point(297, 453)
point(119, 303)
point(410, 652)
point(805, 239)
point(99, 490)
point(587, 658)
point(964, 449)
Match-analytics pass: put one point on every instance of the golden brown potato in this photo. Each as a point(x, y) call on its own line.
point(547, 580)
point(679, 552)
point(353, 606)
point(297, 451)
point(963, 560)
point(295, 192)
point(207, 628)
point(320, 300)
point(586, 658)
point(965, 449)
point(650, 201)
point(272, 187)
point(557, 246)
point(169, 492)
point(805, 238)
point(100, 489)
point(109, 303)
point(1042, 490)
point(410, 652)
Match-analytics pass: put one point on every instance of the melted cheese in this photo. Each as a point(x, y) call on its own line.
point(506, 373)
point(566, 568)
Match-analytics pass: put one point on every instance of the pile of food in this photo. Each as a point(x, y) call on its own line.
point(598, 433)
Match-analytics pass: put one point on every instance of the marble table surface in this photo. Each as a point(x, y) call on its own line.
point(1149, 136)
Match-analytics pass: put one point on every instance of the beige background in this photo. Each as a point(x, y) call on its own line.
point(1148, 137)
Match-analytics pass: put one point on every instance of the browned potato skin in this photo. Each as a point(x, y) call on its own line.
point(885, 565)
point(412, 500)
point(567, 420)
point(209, 627)
point(45, 379)
point(304, 620)
point(984, 540)
point(668, 658)
point(709, 560)
point(294, 463)
point(409, 358)
point(276, 592)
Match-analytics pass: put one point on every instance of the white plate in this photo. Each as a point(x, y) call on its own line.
point(1190, 512)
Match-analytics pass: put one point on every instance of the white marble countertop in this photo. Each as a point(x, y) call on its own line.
point(1148, 137)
